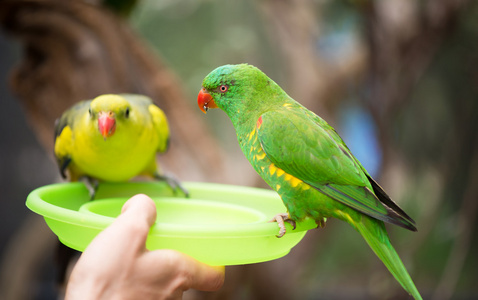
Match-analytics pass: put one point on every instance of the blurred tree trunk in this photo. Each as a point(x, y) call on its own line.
point(75, 50)
point(294, 26)
point(402, 38)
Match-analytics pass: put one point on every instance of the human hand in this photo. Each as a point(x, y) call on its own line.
point(116, 265)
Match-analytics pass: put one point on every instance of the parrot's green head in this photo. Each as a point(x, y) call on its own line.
point(108, 110)
point(239, 90)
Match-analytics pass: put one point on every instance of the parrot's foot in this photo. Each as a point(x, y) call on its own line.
point(321, 222)
point(92, 186)
point(173, 183)
point(280, 219)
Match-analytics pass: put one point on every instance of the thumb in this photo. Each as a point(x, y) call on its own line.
point(140, 206)
point(130, 229)
point(137, 216)
point(126, 236)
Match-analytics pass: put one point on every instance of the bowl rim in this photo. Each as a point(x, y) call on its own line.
point(75, 217)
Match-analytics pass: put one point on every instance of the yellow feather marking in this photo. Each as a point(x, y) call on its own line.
point(252, 134)
point(287, 105)
point(277, 186)
point(161, 126)
point(63, 145)
point(280, 172)
point(295, 181)
point(261, 156)
point(272, 169)
point(344, 216)
point(305, 187)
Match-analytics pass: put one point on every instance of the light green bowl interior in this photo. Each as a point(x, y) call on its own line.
point(218, 224)
point(183, 212)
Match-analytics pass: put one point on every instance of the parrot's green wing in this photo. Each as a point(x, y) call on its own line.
point(377, 189)
point(305, 146)
point(63, 134)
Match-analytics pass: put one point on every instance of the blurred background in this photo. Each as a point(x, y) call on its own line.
point(398, 79)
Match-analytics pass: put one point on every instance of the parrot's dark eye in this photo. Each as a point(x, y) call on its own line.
point(126, 113)
point(223, 88)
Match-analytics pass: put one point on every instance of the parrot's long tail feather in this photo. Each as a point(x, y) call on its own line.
point(374, 232)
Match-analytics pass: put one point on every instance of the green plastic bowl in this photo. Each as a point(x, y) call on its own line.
point(218, 224)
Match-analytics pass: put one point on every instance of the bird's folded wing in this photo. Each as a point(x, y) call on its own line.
point(307, 149)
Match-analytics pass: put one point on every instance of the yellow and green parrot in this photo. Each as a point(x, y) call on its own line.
point(112, 138)
point(305, 161)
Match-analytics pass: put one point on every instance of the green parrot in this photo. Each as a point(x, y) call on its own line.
point(112, 138)
point(305, 161)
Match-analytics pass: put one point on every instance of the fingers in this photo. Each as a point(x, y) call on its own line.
point(190, 272)
point(184, 271)
point(128, 233)
point(207, 278)
point(117, 263)
point(130, 230)
point(139, 208)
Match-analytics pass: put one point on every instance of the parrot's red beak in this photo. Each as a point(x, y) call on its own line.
point(106, 124)
point(205, 101)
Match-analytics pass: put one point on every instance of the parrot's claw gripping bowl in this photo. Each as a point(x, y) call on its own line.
point(218, 224)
